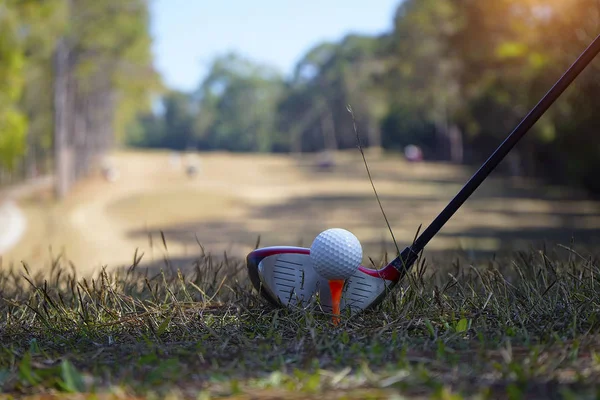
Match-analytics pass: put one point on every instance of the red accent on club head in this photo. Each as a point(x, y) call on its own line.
point(271, 251)
point(389, 273)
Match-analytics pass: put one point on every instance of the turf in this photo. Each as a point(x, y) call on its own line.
point(285, 200)
point(520, 327)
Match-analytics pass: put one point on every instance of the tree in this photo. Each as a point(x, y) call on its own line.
point(178, 122)
point(237, 105)
point(424, 74)
point(454, 76)
point(103, 78)
point(13, 122)
point(326, 80)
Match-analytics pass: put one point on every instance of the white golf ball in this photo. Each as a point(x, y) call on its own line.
point(336, 254)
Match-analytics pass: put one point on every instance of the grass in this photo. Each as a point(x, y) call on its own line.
point(285, 200)
point(520, 327)
point(182, 207)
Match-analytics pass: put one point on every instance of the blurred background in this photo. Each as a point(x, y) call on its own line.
point(173, 128)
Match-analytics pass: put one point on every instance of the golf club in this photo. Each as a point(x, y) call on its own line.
point(285, 276)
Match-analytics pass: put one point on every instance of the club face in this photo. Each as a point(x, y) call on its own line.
point(286, 277)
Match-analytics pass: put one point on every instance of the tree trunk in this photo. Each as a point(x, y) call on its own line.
point(61, 90)
point(456, 144)
point(442, 150)
point(31, 165)
point(78, 133)
point(374, 135)
point(328, 129)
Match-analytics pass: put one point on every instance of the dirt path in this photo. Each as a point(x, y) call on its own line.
point(237, 198)
point(12, 225)
point(13, 222)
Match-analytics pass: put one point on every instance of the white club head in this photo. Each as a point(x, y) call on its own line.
point(286, 276)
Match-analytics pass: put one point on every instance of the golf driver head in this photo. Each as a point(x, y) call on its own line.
point(285, 276)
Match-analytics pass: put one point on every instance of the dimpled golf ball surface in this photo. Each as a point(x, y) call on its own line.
point(336, 254)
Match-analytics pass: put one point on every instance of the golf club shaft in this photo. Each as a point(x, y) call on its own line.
point(409, 255)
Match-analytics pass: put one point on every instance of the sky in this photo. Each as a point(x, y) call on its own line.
point(188, 34)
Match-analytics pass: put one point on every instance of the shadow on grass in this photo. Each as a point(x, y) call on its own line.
point(296, 223)
point(498, 184)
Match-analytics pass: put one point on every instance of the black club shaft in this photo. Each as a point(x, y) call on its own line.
point(405, 260)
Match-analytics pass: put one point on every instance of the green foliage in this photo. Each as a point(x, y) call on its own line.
point(239, 99)
point(113, 43)
point(64, 377)
point(13, 123)
point(448, 67)
point(234, 109)
point(126, 43)
point(109, 73)
point(13, 129)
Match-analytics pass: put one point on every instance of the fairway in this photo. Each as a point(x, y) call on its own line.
point(285, 200)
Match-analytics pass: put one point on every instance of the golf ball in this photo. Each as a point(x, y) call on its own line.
point(336, 254)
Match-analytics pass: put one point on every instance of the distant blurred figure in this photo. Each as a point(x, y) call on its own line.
point(109, 171)
point(325, 161)
point(175, 160)
point(413, 153)
point(192, 167)
point(515, 167)
point(191, 170)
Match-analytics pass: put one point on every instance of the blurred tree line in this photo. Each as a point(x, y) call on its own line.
point(73, 75)
point(453, 76)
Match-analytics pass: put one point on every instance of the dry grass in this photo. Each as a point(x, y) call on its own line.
point(237, 198)
point(177, 322)
point(523, 327)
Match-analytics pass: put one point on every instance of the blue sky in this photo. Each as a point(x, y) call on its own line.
point(188, 34)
